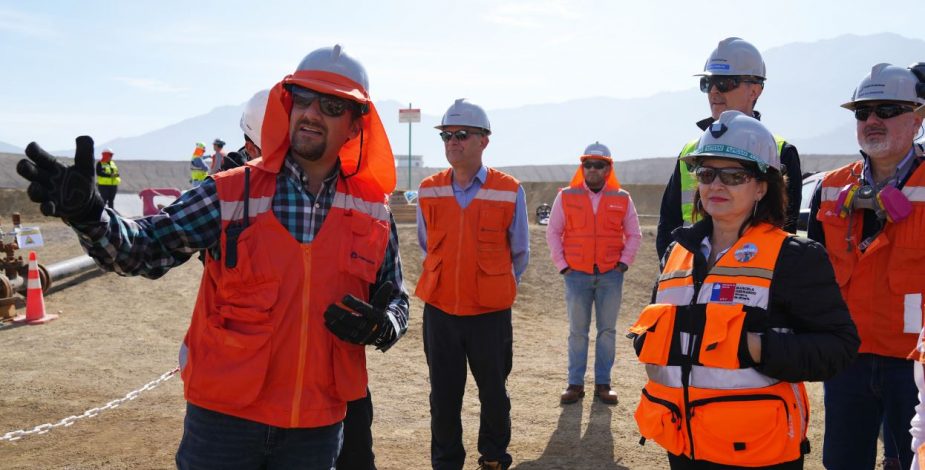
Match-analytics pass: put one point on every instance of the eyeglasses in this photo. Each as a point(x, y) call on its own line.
point(330, 105)
point(728, 176)
point(883, 111)
point(596, 164)
point(460, 135)
point(724, 83)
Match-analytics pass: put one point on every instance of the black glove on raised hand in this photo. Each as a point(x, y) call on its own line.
point(63, 191)
point(358, 322)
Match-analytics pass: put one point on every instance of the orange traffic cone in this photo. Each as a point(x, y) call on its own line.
point(35, 301)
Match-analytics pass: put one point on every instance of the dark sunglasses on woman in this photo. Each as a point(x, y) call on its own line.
point(727, 176)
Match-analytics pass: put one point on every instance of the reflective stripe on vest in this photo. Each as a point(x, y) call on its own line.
point(689, 183)
point(722, 411)
point(884, 285)
point(257, 347)
point(112, 170)
point(468, 268)
point(593, 240)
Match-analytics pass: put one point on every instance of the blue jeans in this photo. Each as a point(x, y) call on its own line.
point(213, 440)
point(605, 292)
point(873, 391)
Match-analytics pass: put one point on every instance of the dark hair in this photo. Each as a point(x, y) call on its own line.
point(772, 208)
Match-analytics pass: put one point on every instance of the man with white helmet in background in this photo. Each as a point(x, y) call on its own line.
point(251, 123)
point(593, 235)
point(302, 271)
point(107, 177)
point(870, 215)
point(733, 78)
point(472, 226)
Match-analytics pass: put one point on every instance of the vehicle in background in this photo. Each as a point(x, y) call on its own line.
point(810, 181)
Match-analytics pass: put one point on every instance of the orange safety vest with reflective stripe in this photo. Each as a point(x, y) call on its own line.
point(257, 345)
point(468, 268)
point(883, 286)
point(593, 239)
point(703, 399)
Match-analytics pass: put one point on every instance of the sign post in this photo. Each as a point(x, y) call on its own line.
point(409, 115)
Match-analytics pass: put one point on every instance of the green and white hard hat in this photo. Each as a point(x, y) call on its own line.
point(464, 113)
point(737, 136)
point(734, 56)
point(887, 82)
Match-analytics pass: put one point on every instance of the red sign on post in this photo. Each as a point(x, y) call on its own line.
point(409, 115)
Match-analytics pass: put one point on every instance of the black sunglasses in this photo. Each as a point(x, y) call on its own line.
point(728, 176)
point(460, 135)
point(724, 83)
point(330, 105)
point(596, 164)
point(883, 111)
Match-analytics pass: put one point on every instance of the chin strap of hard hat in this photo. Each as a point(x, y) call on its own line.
point(359, 159)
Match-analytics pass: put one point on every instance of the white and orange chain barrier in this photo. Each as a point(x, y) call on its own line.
point(43, 428)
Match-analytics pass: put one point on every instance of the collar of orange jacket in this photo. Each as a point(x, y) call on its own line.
point(579, 178)
point(368, 156)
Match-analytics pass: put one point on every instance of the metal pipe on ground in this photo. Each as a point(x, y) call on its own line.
point(57, 271)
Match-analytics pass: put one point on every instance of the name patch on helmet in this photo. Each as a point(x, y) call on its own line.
point(718, 66)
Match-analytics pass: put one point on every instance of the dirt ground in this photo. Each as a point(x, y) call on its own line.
point(115, 334)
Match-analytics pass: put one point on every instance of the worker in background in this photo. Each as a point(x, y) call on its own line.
point(869, 214)
point(593, 235)
point(107, 177)
point(251, 123)
point(217, 157)
point(730, 336)
point(302, 272)
point(473, 228)
point(733, 79)
point(198, 170)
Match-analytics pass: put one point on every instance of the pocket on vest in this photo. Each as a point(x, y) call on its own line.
point(752, 430)
point(430, 275)
point(657, 322)
point(659, 418)
point(349, 365)
point(722, 335)
point(496, 283)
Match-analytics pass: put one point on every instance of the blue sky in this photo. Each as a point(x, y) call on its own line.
point(122, 68)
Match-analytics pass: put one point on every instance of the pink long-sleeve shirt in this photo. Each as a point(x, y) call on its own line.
point(632, 236)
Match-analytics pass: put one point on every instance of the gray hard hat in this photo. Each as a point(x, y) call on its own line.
point(597, 149)
point(738, 137)
point(734, 56)
point(335, 60)
point(887, 82)
point(464, 113)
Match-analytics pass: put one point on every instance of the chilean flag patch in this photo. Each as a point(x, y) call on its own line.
point(723, 292)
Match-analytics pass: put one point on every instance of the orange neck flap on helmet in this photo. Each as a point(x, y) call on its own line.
point(579, 178)
point(367, 157)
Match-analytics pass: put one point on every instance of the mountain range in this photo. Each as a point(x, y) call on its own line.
point(806, 84)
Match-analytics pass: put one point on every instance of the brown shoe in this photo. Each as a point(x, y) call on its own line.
point(572, 394)
point(490, 465)
point(605, 394)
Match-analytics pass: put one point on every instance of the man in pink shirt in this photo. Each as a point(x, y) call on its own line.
point(593, 236)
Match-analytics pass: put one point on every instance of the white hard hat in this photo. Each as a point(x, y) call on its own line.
point(597, 149)
point(335, 60)
point(887, 82)
point(734, 56)
point(107, 150)
point(252, 117)
point(739, 137)
point(463, 113)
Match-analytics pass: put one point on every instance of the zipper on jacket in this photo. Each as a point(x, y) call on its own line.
point(674, 409)
point(734, 398)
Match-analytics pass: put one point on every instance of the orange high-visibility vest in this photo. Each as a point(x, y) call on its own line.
point(593, 240)
point(257, 345)
point(883, 286)
point(468, 268)
point(724, 411)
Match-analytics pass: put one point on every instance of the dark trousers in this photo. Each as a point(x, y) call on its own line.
point(873, 392)
point(357, 452)
point(109, 194)
point(213, 440)
point(486, 342)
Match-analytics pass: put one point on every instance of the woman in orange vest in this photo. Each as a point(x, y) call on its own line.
point(730, 336)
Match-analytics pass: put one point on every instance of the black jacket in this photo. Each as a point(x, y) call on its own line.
point(803, 297)
point(670, 213)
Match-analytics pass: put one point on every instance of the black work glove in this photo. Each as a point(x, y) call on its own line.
point(358, 322)
point(68, 192)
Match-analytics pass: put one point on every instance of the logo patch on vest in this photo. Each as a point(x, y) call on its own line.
point(723, 292)
point(746, 253)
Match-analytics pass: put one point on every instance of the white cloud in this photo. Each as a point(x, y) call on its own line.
point(150, 85)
